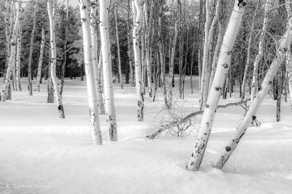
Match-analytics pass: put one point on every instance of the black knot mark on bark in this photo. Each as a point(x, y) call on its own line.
point(254, 118)
point(60, 108)
point(228, 148)
point(225, 65)
point(270, 82)
point(207, 105)
point(218, 88)
point(241, 3)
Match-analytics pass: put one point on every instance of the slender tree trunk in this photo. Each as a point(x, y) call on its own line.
point(53, 60)
point(90, 79)
point(217, 86)
point(247, 64)
point(136, 45)
point(18, 59)
point(31, 48)
point(64, 63)
point(130, 54)
point(118, 48)
point(39, 72)
point(255, 77)
point(266, 84)
point(289, 53)
point(107, 70)
point(100, 86)
point(11, 61)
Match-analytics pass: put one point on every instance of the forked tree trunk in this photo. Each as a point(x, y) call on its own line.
point(118, 48)
point(267, 82)
point(18, 59)
point(31, 48)
point(255, 77)
point(90, 79)
point(107, 70)
point(53, 59)
point(136, 45)
point(39, 72)
point(11, 61)
point(217, 85)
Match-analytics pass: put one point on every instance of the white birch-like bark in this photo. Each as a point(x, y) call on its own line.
point(89, 71)
point(94, 55)
point(289, 53)
point(12, 53)
point(31, 48)
point(118, 48)
point(137, 9)
point(107, 69)
point(204, 78)
point(18, 59)
point(217, 85)
point(40, 64)
point(100, 85)
point(267, 82)
point(255, 77)
point(53, 59)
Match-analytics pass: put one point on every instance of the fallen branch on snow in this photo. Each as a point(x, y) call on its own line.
point(177, 122)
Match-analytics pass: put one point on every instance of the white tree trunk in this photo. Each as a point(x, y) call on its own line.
point(18, 58)
point(255, 77)
point(107, 69)
point(39, 72)
point(217, 85)
point(100, 85)
point(31, 48)
point(89, 71)
point(289, 53)
point(94, 55)
point(136, 45)
point(118, 47)
point(11, 60)
point(53, 60)
point(267, 82)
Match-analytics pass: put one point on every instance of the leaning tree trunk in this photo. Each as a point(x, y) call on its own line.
point(136, 45)
point(18, 59)
point(31, 46)
point(39, 72)
point(12, 53)
point(217, 85)
point(89, 71)
point(107, 69)
point(267, 82)
point(118, 48)
point(255, 77)
point(53, 60)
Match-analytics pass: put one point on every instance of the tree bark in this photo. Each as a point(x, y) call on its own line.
point(267, 82)
point(18, 59)
point(118, 48)
point(136, 45)
point(53, 60)
point(90, 79)
point(217, 85)
point(39, 72)
point(107, 70)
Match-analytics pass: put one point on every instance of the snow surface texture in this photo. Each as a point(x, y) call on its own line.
point(41, 154)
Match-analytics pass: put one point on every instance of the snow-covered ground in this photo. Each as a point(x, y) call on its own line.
point(41, 154)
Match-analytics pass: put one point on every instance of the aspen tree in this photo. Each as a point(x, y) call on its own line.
point(259, 56)
point(31, 47)
point(118, 47)
point(94, 55)
point(136, 45)
point(40, 64)
point(217, 85)
point(11, 61)
point(107, 69)
point(289, 52)
point(18, 58)
point(90, 79)
point(53, 59)
point(284, 43)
